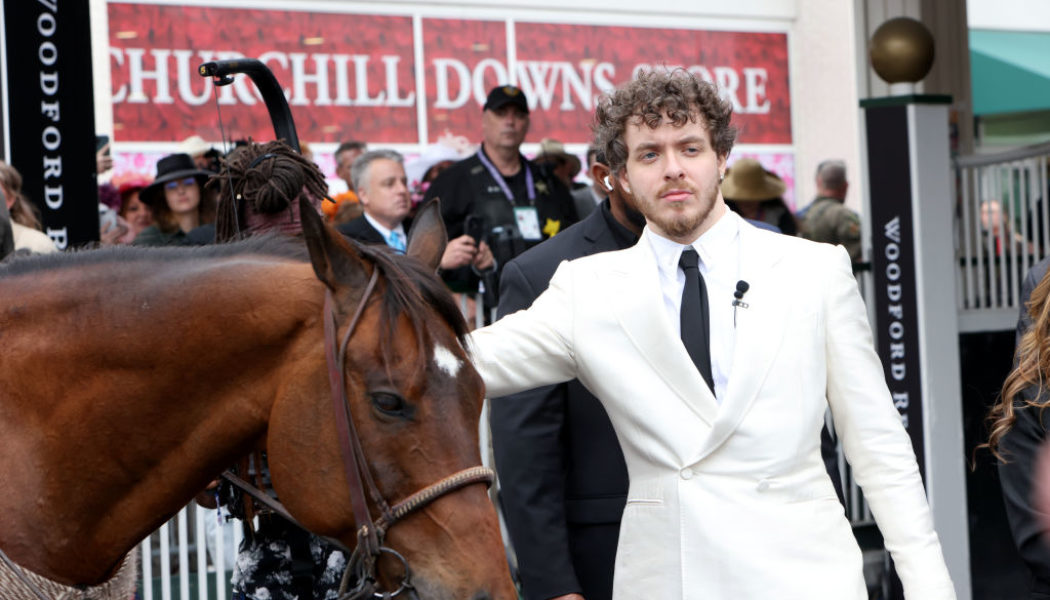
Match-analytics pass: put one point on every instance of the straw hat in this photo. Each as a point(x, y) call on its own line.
point(194, 146)
point(550, 148)
point(747, 180)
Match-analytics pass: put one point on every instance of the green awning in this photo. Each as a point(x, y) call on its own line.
point(1010, 71)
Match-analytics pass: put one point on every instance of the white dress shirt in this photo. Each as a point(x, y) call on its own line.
point(386, 232)
point(719, 254)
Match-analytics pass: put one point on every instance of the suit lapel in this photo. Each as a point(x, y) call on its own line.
point(759, 332)
point(596, 233)
point(641, 313)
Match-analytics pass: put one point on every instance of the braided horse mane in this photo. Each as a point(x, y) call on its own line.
point(258, 183)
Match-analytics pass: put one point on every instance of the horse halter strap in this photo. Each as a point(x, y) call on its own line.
point(370, 533)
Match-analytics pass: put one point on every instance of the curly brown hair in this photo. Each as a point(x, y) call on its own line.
point(1031, 371)
point(678, 96)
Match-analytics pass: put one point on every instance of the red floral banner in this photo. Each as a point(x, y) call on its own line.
point(352, 76)
point(565, 67)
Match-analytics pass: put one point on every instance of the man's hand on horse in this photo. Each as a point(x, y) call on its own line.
point(568, 597)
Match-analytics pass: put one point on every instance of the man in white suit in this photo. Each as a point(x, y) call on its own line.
point(728, 496)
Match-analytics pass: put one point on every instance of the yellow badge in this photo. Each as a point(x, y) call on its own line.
point(552, 227)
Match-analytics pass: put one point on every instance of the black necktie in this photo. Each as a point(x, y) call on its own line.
point(695, 319)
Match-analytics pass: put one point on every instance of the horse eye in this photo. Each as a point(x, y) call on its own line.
point(390, 404)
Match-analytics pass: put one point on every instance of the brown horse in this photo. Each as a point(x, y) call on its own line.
point(131, 377)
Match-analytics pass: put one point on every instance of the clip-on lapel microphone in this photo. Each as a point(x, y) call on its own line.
point(738, 297)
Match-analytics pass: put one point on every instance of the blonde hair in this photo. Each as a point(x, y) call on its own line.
point(1031, 369)
point(22, 211)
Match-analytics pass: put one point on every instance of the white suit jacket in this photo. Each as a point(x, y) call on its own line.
point(731, 501)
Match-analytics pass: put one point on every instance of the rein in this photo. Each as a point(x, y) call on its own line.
point(360, 580)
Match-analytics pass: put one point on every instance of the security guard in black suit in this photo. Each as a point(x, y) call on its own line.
point(513, 204)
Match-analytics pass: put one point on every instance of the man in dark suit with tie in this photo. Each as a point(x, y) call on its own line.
point(562, 474)
point(382, 188)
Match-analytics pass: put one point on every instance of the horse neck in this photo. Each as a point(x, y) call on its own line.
point(120, 442)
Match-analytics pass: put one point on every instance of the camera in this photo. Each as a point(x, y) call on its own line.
point(474, 226)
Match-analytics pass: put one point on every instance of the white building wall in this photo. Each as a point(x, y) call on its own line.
point(1009, 15)
point(100, 67)
point(824, 94)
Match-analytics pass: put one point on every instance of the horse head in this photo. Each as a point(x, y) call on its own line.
point(414, 400)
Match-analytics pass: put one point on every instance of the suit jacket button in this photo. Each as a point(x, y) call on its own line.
point(687, 473)
point(763, 485)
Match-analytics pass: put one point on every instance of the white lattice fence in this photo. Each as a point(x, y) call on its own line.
point(1002, 229)
point(189, 557)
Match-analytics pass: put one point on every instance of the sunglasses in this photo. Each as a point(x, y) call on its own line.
point(187, 182)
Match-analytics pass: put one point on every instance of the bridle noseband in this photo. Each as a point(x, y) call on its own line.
point(359, 580)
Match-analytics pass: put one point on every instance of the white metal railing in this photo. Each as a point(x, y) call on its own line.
point(212, 545)
point(1002, 228)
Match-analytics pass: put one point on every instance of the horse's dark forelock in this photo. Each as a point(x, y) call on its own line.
point(411, 290)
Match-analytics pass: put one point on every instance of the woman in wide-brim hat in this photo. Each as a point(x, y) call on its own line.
point(757, 194)
point(178, 202)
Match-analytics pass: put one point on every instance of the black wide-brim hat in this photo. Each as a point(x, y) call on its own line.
point(171, 168)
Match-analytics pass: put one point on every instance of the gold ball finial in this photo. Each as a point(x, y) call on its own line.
point(902, 50)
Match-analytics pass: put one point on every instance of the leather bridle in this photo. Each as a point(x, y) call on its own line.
point(360, 578)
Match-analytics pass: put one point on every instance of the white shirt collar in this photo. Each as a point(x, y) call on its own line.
point(383, 230)
point(710, 246)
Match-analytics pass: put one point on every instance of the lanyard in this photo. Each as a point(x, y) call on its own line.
point(529, 185)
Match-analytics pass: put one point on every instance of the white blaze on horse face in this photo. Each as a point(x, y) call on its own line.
point(446, 361)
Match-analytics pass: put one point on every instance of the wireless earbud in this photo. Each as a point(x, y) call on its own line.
point(608, 182)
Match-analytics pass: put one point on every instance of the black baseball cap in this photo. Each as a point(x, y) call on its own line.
point(506, 94)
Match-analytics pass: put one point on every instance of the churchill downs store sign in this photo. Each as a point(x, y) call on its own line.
point(409, 79)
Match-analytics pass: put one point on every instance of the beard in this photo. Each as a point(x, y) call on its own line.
point(680, 225)
point(634, 216)
point(684, 221)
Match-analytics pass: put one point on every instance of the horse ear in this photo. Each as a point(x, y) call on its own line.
point(427, 239)
point(334, 261)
